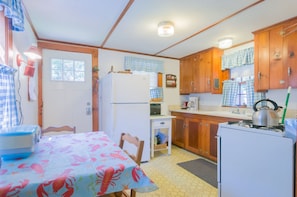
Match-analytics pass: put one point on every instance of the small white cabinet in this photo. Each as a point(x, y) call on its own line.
point(160, 124)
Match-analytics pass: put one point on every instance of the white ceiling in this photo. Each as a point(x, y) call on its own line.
point(131, 25)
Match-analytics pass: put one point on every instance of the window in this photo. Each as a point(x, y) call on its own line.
point(241, 75)
point(240, 90)
point(67, 70)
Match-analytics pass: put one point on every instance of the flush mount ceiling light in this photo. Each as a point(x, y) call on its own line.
point(165, 29)
point(225, 43)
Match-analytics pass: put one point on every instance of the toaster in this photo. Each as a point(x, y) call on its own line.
point(18, 141)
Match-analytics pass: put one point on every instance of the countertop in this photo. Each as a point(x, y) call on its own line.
point(156, 117)
point(227, 114)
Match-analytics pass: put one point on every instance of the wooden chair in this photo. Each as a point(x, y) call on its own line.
point(127, 138)
point(58, 130)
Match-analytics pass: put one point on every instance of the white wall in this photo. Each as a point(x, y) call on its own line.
point(27, 109)
point(108, 58)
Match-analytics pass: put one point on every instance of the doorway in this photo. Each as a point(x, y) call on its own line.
point(86, 106)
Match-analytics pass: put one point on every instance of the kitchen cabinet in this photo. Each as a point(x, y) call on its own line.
point(185, 75)
point(275, 59)
point(201, 72)
point(290, 52)
point(192, 131)
point(261, 61)
point(178, 134)
point(204, 72)
point(197, 133)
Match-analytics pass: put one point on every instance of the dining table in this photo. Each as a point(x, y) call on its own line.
point(87, 164)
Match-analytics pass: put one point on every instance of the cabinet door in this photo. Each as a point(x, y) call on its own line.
point(213, 129)
point(205, 69)
point(217, 75)
point(178, 134)
point(261, 64)
point(195, 69)
point(192, 132)
point(276, 76)
point(290, 59)
point(185, 75)
point(203, 138)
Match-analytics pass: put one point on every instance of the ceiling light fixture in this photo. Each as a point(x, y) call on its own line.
point(225, 43)
point(165, 29)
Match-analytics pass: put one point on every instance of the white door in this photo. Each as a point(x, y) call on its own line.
point(67, 102)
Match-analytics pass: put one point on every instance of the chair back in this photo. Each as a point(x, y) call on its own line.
point(127, 138)
point(58, 130)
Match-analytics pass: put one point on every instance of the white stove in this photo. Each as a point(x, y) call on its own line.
point(254, 161)
point(247, 125)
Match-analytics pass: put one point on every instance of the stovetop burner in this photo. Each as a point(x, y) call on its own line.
point(249, 124)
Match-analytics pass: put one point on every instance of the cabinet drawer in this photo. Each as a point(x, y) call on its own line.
point(161, 123)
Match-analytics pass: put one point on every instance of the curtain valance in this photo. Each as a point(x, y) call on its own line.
point(14, 11)
point(141, 64)
point(239, 58)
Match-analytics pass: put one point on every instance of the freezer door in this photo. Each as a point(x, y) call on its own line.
point(134, 119)
point(130, 88)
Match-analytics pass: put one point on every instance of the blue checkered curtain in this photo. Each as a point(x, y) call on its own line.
point(252, 96)
point(239, 58)
point(14, 11)
point(8, 105)
point(230, 91)
point(141, 64)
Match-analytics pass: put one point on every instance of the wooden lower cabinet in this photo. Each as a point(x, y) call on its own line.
point(197, 133)
point(178, 134)
point(192, 127)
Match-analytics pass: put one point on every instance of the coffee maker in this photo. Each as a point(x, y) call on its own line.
point(193, 103)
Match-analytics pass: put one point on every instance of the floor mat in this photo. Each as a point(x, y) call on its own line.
point(203, 169)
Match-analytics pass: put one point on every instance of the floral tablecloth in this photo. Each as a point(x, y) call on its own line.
point(83, 165)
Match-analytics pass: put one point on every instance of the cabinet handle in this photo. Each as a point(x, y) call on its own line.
point(289, 71)
point(259, 75)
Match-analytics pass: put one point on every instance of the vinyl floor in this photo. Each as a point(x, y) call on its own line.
point(173, 180)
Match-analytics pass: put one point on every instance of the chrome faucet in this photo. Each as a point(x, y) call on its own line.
point(236, 111)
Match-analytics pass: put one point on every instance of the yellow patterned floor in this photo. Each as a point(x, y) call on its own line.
point(172, 180)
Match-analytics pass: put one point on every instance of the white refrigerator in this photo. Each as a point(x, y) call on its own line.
point(254, 162)
point(124, 107)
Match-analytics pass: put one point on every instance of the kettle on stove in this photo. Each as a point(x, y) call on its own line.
point(265, 116)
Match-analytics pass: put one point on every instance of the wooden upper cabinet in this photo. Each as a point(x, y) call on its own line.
point(204, 74)
point(276, 76)
point(195, 73)
point(261, 61)
point(290, 56)
point(275, 56)
point(185, 75)
point(201, 72)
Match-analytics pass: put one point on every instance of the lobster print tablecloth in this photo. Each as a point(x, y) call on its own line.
point(83, 165)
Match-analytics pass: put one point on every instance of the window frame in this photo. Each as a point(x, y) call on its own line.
point(7, 44)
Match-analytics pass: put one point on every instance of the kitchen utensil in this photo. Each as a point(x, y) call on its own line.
point(265, 116)
point(285, 109)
